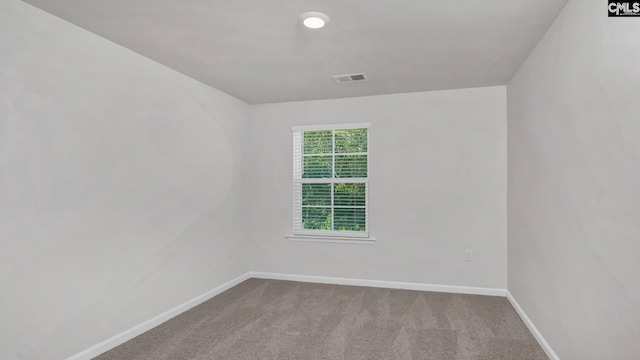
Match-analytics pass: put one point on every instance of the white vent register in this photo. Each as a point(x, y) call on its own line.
point(347, 78)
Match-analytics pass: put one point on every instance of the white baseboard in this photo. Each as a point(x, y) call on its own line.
point(381, 284)
point(129, 334)
point(543, 343)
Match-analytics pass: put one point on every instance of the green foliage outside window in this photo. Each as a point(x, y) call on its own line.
point(339, 154)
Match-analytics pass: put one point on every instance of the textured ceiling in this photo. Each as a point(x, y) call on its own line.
point(257, 50)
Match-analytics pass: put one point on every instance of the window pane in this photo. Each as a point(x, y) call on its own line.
point(351, 166)
point(316, 218)
point(316, 194)
point(318, 142)
point(350, 219)
point(352, 140)
point(349, 194)
point(316, 167)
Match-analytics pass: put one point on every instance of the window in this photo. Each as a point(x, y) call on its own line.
point(331, 180)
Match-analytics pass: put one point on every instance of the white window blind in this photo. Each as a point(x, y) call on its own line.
point(331, 180)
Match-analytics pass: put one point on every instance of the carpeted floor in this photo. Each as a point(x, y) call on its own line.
point(278, 320)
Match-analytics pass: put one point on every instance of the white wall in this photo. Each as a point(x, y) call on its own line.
point(574, 172)
point(120, 187)
point(437, 180)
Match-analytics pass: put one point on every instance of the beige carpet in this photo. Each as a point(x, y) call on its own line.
point(278, 320)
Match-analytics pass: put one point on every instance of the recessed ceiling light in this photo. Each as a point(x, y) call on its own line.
point(314, 20)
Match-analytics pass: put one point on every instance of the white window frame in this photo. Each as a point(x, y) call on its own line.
point(354, 237)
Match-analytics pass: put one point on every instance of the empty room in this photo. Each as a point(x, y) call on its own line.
point(319, 179)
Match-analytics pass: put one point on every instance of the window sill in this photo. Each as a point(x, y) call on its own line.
point(333, 239)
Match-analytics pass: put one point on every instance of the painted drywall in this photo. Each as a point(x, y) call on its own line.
point(120, 187)
point(573, 175)
point(437, 188)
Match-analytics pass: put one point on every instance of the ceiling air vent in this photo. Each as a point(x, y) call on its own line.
point(350, 78)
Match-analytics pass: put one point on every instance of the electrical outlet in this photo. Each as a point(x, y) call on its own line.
point(468, 255)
